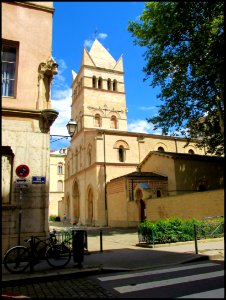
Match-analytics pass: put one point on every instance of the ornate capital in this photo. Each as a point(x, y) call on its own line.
point(49, 68)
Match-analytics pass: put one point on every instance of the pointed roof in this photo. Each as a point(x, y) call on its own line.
point(86, 59)
point(73, 74)
point(101, 57)
point(119, 65)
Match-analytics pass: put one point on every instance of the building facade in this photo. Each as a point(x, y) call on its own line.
point(56, 187)
point(102, 148)
point(27, 71)
point(190, 186)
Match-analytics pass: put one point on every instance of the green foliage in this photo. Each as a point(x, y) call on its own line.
point(184, 55)
point(54, 218)
point(179, 230)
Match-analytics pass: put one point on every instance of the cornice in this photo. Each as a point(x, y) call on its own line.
point(32, 5)
point(101, 69)
point(25, 113)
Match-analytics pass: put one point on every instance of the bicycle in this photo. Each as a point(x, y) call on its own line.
point(18, 258)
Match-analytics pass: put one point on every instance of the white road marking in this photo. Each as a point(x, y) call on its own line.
point(166, 282)
point(213, 294)
point(124, 276)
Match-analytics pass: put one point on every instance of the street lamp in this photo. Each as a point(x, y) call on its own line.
point(71, 127)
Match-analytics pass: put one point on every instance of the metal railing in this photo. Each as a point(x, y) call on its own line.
point(66, 237)
point(150, 237)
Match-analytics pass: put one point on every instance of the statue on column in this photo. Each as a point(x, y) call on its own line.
point(46, 71)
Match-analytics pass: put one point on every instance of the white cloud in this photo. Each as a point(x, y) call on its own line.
point(102, 36)
point(62, 104)
point(147, 108)
point(142, 126)
point(59, 79)
point(88, 43)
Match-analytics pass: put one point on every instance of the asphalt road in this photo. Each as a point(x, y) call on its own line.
point(192, 280)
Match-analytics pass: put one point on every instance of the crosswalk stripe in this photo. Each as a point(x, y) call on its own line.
point(152, 272)
point(166, 282)
point(213, 294)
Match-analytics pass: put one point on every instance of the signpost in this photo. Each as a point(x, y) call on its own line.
point(21, 183)
point(21, 171)
point(38, 179)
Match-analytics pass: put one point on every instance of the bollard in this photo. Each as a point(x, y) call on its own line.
point(78, 246)
point(32, 258)
point(153, 238)
point(101, 241)
point(86, 241)
point(195, 236)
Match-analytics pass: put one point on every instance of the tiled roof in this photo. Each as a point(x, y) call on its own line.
point(142, 175)
point(185, 156)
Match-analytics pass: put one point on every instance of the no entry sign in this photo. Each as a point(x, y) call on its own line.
point(22, 170)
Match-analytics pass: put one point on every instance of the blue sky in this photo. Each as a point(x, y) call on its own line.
point(75, 26)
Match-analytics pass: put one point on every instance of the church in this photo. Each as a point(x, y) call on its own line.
point(102, 149)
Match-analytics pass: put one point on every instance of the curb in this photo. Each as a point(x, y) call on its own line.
point(84, 271)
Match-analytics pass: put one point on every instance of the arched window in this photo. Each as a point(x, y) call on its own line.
point(97, 120)
point(158, 193)
point(121, 154)
point(190, 151)
point(89, 156)
point(161, 149)
point(60, 168)
point(113, 122)
point(76, 160)
point(109, 84)
point(114, 85)
point(60, 186)
point(94, 82)
point(100, 83)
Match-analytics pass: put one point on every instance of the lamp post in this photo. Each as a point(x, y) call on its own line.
point(71, 127)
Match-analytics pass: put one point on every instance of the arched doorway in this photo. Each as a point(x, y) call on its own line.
point(90, 207)
point(75, 210)
point(142, 211)
point(141, 204)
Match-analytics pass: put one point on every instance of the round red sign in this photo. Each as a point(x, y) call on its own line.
point(22, 171)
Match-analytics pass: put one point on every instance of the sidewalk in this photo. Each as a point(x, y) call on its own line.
point(122, 252)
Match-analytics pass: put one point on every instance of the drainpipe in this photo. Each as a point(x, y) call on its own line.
point(105, 181)
point(176, 145)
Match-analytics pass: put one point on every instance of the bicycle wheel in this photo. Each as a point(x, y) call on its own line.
point(17, 259)
point(58, 256)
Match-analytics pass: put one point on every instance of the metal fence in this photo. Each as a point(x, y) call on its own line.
point(66, 237)
point(200, 231)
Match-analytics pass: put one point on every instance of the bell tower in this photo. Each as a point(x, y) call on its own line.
point(98, 93)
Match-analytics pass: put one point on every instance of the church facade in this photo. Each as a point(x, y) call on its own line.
point(102, 147)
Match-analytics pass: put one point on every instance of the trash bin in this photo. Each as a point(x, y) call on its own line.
point(78, 245)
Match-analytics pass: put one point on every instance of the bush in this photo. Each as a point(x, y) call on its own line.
point(54, 218)
point(179, 230)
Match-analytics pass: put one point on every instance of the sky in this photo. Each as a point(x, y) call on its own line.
point(75, 26)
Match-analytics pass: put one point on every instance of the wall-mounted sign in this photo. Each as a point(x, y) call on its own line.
point(21, 183)
point(22, 171)
point(38, 179)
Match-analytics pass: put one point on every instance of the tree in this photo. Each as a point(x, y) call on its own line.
point(185, 56)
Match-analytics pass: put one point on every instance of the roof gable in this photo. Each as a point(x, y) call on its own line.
point(101, 57)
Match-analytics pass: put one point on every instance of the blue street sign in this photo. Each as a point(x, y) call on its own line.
point(38, 179)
